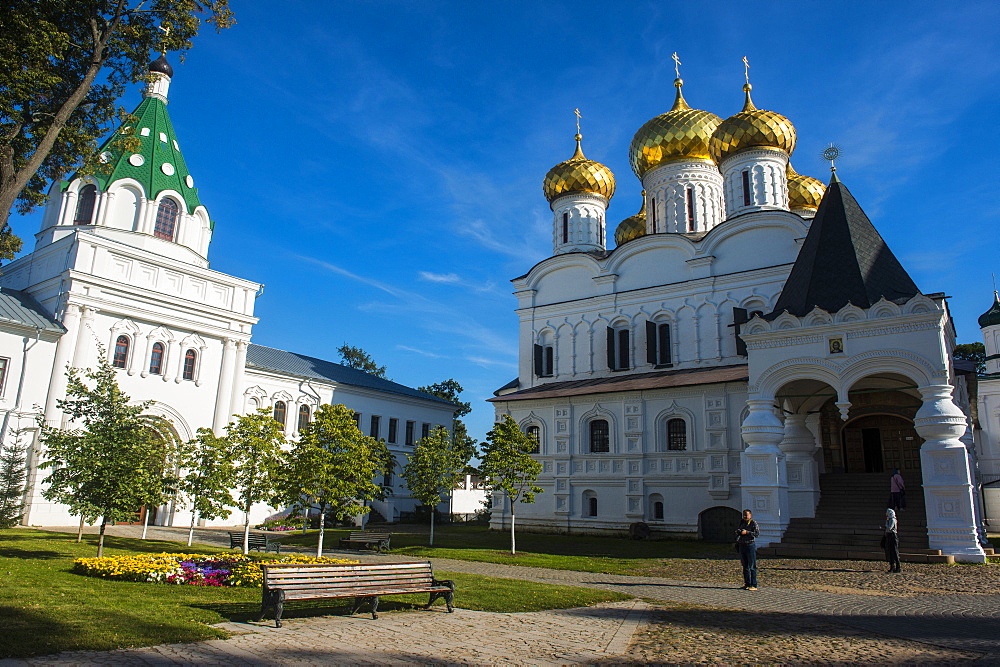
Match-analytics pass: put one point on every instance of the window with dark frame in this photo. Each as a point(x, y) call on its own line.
point(652, 213)
point(4, 365)
point(156, 359)
point(535, 433)
point(676, 435)
point(658, 510)
point(658, 350)
point(166, 220)
point(600, 436)
point(303, 417)
point(190, 359)
point(120, 359)
point(376, 426)
point(565, 229)
point(425, 430)
point(746, 188)
point(592, 506)
point(280, 413)
point(618, 349)
point(544, 360)
point(410, 426)
point(393, 426)
point(85, 205)
point(357, 420)
point(690, 209)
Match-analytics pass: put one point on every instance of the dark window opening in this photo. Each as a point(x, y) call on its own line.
point(357, 420)
point(690, 209)
point(303, 417)
point(85, 205)
point(280, 413)
point(393, 427)
point(565, 228)
point(746, 188)
point(376, 426)
point(592, 507)
point(600, 436)
point(121, 352)
point(425, 430)
point(409, 433)
point(658, 350)
point(544, 360)
point(740, 317)
point(156, 359)
point(658, 510)
point(676, 435)
point(166, 220)
point(535, 433)
point(190, 359)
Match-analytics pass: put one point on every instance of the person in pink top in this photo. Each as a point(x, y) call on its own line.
point(897, 491)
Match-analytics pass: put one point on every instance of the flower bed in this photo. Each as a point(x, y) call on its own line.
point(188, 569)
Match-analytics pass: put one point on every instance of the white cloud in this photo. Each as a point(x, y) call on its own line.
point(440, 277)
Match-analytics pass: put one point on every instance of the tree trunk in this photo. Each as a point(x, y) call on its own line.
point(322, 532)
point(79, 533)
point(145, 521)
point(305, 521)
point(100, 540)
point(194, 517)
point(432, 526)
point(512, 549)
point(246, 532)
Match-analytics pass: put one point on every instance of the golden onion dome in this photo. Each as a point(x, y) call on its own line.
point(804, 192)
point(578, 174)
point(752, 128)
point(682, 133)
point(632, 227)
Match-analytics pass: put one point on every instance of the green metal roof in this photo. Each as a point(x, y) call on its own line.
point(161, 166)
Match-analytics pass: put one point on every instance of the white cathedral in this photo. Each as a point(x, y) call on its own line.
point(749, 342)
point(121, 264)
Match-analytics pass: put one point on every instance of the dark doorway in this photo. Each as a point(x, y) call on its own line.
point(880, 443)
point(871, 445)
point(718, 524)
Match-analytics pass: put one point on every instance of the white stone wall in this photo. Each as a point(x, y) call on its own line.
point(767, 168)
point(585, 217)
point(667, 194)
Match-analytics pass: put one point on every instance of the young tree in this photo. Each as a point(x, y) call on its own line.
point(254, 442)
point(355, 357)
point(63, 65)
point(974, 352)
point(207, 475)
point(13, 473)
point(332, 467)
point(434, 467)
point(507, 466)
point(111, 466)
point(449, 390)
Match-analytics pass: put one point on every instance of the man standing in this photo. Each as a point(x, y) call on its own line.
point(745, 536)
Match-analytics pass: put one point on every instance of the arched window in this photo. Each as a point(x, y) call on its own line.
point(121, 352)
point(279, 413)
point(690, 209)
point(85, 205)
point(190, 359)
point(156, 359)
point(303, 417)
point(592, 506)
point(656, 506)
point(252, 405)
point(600, 436)
point(535, 433)
point(166, 220)
point(676, 435)
point(746, 188)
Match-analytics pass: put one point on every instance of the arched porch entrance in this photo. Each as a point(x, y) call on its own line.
point(162, 439)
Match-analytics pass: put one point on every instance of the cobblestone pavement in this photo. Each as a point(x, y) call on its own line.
point(964, 624)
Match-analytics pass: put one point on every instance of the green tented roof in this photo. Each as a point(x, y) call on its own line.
point(159, 148)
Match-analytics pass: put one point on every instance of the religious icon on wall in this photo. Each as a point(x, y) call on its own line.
point(836, 346)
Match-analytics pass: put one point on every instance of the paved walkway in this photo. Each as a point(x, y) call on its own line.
point(963, 622)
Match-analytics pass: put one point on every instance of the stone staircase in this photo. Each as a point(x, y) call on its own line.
point(849, 519)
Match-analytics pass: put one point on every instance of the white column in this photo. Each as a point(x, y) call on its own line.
point(763, 482)
point(800, 449)
point(81, 352)
point(135, 361)
point(170, 368)
point(224, 391)
point(236, 400)
point(65, 350)
point(146, 357)
point(944, 463)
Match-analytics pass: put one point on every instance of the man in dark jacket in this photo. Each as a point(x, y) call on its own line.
point(745, 536)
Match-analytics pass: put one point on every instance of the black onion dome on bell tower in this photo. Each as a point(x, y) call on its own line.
point(162, 66)
point(843, 260)
point(992, 316)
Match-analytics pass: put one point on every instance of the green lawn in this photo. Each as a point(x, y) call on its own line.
point(45, 608)
point(584, 553)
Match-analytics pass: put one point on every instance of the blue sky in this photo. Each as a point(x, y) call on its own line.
point(378, 165)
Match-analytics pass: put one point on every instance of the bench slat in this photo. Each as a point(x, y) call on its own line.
point(350, 593)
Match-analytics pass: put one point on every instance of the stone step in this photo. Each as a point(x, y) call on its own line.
point(909, 556)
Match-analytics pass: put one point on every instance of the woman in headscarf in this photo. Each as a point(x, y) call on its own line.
point(891, 541)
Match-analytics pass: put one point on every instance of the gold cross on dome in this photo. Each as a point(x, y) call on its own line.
point(578, 117)
point(677, 64)
point(746, 68)
point(166, 36)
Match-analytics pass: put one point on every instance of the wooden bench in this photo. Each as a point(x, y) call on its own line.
point(257, 541)
point(365, 582)
point(366, 539)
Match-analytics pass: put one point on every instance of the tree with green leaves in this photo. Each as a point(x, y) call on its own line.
point(974, 352)
point(332, 468)
point(13, 473)
point(434, 468)
point(254, 443)
point(114, 463)
point(507, 466)
point(206, 476)
point(450, 390)
point(63, 66)
point(355, 357)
